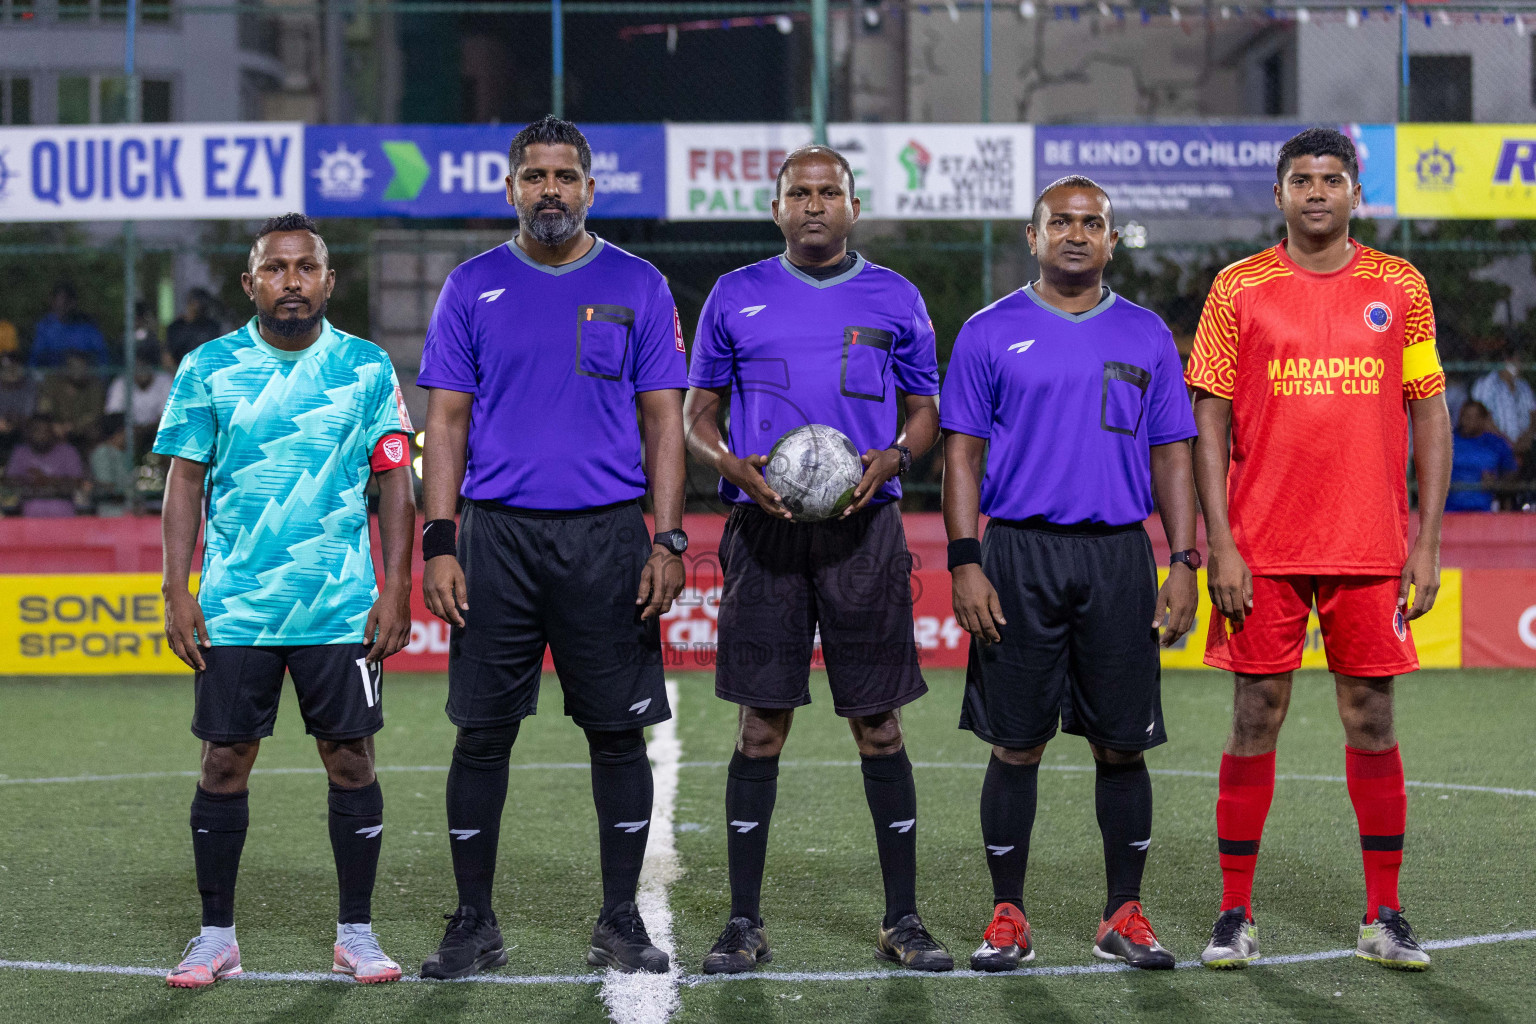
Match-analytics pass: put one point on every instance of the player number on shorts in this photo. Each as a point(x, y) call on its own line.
point(372, 677)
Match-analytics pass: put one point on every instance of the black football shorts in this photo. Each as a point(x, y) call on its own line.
point(568, 580)
point(1078, 645)
point(236, 694)
point(851, 578)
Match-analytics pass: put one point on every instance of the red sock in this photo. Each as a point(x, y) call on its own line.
point(1242, 803)
point(1376, 788)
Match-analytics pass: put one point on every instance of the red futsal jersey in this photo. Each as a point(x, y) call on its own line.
point(1319, 368)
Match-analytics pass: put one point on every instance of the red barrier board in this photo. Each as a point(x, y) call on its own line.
point(688, 630)
point(1499, 618)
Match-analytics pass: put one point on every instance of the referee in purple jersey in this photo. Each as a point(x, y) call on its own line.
point(1076, 399)
point(537, 357)
point(816, 335)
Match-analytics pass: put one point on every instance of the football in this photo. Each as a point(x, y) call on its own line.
point(814, 468)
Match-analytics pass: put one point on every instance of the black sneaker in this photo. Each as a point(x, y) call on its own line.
point(908, 943)
point(740, 948)
point(619, 941)
point(470, 945)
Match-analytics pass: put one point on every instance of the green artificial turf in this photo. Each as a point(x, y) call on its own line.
point(100, 872)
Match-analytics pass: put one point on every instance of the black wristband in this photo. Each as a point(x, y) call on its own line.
point(439, 537)
point(965, 551)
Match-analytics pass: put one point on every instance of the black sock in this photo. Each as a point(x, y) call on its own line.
point(477, 791)
point(893, 803)
point(751, 787)
point(622, 792)
point(357, 822)
point(1008, 797)
point(1122, 796)
point(219, 821)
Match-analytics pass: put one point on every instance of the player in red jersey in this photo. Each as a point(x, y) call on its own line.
point(1318, 356)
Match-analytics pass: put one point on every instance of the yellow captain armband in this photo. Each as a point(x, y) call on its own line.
point(1420, 360)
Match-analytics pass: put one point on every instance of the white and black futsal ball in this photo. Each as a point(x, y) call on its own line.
point(814, 469)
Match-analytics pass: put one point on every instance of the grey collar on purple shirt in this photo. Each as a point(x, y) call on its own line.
point(859, 263)
point(1106, 300)
point(564, 268)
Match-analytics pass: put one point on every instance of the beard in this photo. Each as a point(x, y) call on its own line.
point(292, 326)
point(552, 230)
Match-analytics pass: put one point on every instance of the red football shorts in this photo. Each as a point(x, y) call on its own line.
point(1364, 634)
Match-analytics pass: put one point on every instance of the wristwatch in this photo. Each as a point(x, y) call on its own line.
point(905, 455)
point(675, 541)
point(1190, 558)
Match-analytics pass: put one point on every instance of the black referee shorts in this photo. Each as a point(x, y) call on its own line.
point(850, 577)
point(1078, 644)
point(235, 696)
point(568, 580)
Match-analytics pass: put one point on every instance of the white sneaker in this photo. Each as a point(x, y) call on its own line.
point(1389, 941)
point(206, 959)
point(1234, 942)
point(358, 954)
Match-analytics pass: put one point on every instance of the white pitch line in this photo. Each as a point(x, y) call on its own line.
point(653, 998)
point(572, 765)
point(782, 977)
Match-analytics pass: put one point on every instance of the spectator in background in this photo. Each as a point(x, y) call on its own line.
point(18, 399)
point(111, 468)
point(45, 471)
point(194, 326)
point(75, 399)
point(1509, 401)
point(151, 389)
point(1479, 456)
point(10, 341)
point(64, 330)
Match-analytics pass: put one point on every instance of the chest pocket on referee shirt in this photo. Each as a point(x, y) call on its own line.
point(866, 354)
point(602, 340)
point(1125, 391)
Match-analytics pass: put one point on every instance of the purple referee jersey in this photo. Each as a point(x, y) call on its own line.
point(796, 350)
point(554, 357)
point(1070, 405)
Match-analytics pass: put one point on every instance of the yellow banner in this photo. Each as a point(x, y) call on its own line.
point(1437, 636)
point(1477, 171)
point(84, 624)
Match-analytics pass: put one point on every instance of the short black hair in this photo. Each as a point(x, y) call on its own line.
point(550, 130)
point(1070, 181)
point(814, 149)
point(285, 222)
point(1318, 142)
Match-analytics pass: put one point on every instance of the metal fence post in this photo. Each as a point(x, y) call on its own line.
point(986, 118)
point(819, 72)
point(557, 58)
point(130, 255)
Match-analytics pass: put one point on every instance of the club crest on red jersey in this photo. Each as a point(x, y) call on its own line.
point(1399, 625)
point(1378, 316)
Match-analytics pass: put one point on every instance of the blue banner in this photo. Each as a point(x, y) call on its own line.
point(460, 170)
point(1206, 170)
point(1376, 149)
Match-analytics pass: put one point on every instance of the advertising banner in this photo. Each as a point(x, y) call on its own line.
point(1500, 619)
point(1206, 170)
point(99, 624)
point(151, 172)
point(901, 171)
point(1475, 171)
point(460, 170)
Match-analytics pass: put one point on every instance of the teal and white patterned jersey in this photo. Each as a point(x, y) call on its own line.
point(287, 436)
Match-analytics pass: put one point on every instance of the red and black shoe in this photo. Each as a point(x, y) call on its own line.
point(1128, 937)
point(1006, 942)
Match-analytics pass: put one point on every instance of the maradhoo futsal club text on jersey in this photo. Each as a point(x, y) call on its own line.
point(1070, 404)
point(288, 438)
point(1318, 368)
point(797, 350)
point(554, 357)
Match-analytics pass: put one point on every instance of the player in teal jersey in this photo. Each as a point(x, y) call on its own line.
point(283, 421)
